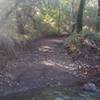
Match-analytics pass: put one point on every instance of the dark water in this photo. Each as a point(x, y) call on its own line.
point(58, 94)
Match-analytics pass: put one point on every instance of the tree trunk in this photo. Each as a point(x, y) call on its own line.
point(20, 25)
point(80, 16)
point(98, 18)
point(59, 19)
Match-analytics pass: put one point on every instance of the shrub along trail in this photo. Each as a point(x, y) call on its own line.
point(46, 64)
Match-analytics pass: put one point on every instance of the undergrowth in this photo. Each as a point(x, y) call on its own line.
point(75, 41)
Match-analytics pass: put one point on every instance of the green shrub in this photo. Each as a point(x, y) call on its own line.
point(94, 37)
point(76, 39)
point(73, 39)
point(7, 45)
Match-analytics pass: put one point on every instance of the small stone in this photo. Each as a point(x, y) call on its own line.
point(12, 77)
point(58, 98)
point(51, 79)
point(89, 87)
point(58, 84)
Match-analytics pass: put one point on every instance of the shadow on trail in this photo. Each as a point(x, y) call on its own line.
point(48, 64)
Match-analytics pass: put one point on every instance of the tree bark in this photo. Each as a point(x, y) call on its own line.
point(98, 18)
point(79, 23)
point(20, 25)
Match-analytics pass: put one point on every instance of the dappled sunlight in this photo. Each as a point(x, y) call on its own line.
point(45, 48)
point(57, 40)
point(49, 43)
point(51, 63)
point(88, 29)
point(48, 63)
point(26, 37)
point(92, 3)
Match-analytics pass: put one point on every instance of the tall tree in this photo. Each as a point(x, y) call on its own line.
point(79, 23)
point(98, 18)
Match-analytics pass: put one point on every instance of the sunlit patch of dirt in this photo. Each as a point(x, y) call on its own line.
point(57, 40)
point(45, 48)
point(65, 67)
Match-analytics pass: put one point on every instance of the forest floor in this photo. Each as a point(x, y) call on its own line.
point(46, 64)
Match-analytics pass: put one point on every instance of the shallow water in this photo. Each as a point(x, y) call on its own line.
point(59, 94)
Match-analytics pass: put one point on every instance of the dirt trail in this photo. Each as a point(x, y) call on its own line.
point(47, 64)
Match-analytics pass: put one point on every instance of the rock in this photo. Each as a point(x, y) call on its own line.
point(59, 98)
point(89, 87)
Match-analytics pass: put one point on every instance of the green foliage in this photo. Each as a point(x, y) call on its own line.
point(73, 39)
point(47, 13)
point(41, 17)
point(92, 36)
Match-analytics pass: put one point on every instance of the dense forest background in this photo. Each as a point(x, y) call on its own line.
point(23, 20)
point(38, 17)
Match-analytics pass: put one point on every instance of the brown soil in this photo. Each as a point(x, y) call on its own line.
point(46, 64)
